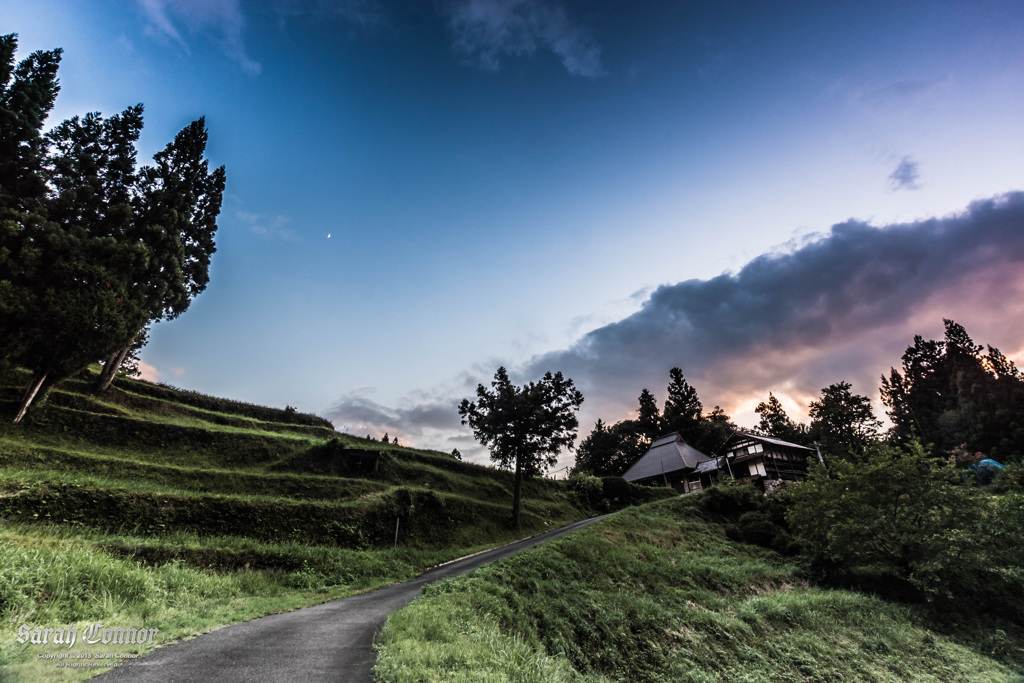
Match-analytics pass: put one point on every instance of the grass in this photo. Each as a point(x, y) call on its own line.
point(659, 593)
point(174, 510)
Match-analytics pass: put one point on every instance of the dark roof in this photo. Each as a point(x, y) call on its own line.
point(668, 454)
point(711, 465)
point(763, 439)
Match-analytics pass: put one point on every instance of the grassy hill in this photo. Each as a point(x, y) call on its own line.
point(661, 593)
point(185, 512)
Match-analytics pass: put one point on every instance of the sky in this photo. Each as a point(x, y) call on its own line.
point(771, 196)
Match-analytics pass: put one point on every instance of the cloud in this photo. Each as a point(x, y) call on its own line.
point(148, 372)
point(223, 18)
point(484, 31)
point(841, 308)
point(267, 226)
point(905, 176)
point(360, 13)
point(417, 420)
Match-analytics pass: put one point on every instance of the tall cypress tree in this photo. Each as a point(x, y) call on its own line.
point(86, 258)
point(92, 250)
point(27, 94)
point(175, 214)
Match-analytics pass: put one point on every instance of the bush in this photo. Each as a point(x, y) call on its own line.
point(903, 513)
point(589, 491)
point(731, 498)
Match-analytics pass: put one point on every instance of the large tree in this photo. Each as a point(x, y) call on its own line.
point(648, 417)
point(524, 427)
point(683, 413)
point(78, 264)
point(682, 407)
point(27, 94)
point(175, 213)
point(841, 421)
point(91, 249)
point(950, 393)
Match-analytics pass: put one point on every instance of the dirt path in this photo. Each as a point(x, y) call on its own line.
point(328, 642)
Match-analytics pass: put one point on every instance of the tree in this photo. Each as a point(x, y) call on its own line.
point(648, 417)
point(524, 427)
point(682, 407)
point(27, 93)
point(610, 451)
point(91, 250)
point(950, 393)
point(775, 422)
point(76, 267)
point(907, 513)
point(175, 211)
point(841, 420)
point(684, 414)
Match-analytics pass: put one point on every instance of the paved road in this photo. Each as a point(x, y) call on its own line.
point(328, 642)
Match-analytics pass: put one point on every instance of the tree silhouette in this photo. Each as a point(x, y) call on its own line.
point(524, 427)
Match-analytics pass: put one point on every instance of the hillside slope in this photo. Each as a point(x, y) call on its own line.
point(659, 593)
point(184, 512)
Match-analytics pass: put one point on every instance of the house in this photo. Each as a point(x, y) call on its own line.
point(765, 460)
point(670, 461)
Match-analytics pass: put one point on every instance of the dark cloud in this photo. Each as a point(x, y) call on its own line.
point(905, 176)
point(413, 421)
point(842, 307)
point(485, 31)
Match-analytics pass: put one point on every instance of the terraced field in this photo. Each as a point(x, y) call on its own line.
point(189, 512)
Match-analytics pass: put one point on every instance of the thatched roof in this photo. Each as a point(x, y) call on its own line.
point(668, 454)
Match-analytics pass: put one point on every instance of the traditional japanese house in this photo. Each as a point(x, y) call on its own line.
point(670, 461)
point(763, 459)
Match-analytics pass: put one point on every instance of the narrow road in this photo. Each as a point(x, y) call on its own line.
point(328, 642)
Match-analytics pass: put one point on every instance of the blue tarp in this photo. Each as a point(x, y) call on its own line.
point(986, 470)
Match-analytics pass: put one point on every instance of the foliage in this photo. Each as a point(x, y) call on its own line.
point(775, 422)
point(524, 427)
point(682, 413)
point(905, 513)
point(841, 421)
point(604, 494)
point(92, 249)
point(682, 407)
point(610, 451)
point(950, 393)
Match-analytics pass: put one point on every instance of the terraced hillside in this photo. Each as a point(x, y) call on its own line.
point(188, 511)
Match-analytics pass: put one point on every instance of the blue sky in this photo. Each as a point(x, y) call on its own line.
point(532, 182)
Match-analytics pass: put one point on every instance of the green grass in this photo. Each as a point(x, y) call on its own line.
point(659, 593)
point(187, 512)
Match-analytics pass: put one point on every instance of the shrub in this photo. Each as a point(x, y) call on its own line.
point(731, 498)
point(904, 513)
